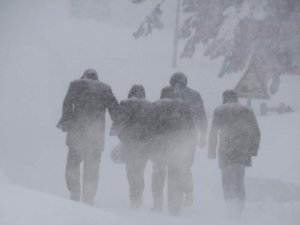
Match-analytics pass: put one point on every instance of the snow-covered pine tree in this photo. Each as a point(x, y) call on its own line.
point(244, 32)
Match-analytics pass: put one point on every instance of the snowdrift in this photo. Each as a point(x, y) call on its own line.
point(20, 206)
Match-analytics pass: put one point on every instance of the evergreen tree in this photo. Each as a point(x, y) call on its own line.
point(264, 33)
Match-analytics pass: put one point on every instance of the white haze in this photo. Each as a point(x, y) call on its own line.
point(42, 49)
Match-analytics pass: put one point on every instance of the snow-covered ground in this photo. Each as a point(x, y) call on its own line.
point(273, 190)
point(42, 49)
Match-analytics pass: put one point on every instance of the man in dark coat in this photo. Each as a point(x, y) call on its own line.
point(236, 133)
point(83, 119)
point(171, 124)
point(197, 134)
point(132, 130)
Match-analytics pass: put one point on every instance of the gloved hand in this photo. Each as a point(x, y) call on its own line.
point(65, 126)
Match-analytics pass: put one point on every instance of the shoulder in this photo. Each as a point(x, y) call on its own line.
point(233, 107)
point(76, 85)
point(76, 82)
point(102, 85)
point(135, 101)
point(193, 91)
point(219, 110)
point(166, 101)
point(194, 94)
point(103, 88)
point(180, 102)
point(127, 102)
point(145, 103)
point(242, 108)
point(124, 102)
point(159, 103)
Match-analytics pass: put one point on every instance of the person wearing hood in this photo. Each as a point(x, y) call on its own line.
point(197, 135)
point(171, 119)
point(236, 133)
point(132, 130)
point(83, 118)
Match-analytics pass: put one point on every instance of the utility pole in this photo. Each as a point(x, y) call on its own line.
point(175, 46)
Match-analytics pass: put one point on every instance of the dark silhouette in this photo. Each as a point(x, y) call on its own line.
point(197, 135)
point(171, 122)
point(83, 119)
point(236, 133)
point(132, 130)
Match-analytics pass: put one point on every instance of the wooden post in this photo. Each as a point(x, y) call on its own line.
point(175, 46)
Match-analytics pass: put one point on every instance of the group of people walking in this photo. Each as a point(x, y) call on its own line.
point(166, 132)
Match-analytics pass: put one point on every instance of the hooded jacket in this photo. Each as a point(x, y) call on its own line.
point(132, 125)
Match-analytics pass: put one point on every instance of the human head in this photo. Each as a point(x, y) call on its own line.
point(167, 92)
point(230, 96)
point(90, 74)
point(137, 91)
point(178, 79)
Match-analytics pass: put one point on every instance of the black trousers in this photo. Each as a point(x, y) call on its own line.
point(89, 158)
point(174, 172)
point(187, 152)
point(135, 162)
point(233, 185)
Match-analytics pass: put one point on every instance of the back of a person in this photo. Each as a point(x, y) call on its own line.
point(166, 119)
point(89, 113)
point(171, 120)
point(131, 128)
point(83, 119)
point(91, 100)
point(235, 134)
point(84, 110)
point(186, 94)
point(192, 98)
point(135, 124)
point(197, 135)
point(235, 126)
point(165, 116)
point(239, 134)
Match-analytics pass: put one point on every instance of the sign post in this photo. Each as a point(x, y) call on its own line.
point(252, 85)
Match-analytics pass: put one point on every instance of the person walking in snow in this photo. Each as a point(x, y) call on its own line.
point(132, 130)
point(171, 121)
point(197, 134)
point(236, 133)
point(83, 118)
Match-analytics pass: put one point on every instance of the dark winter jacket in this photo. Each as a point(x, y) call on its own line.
point(171, 120)
point(84, 110)
point(133, 122)
point(195, 102)
point(236, 133)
